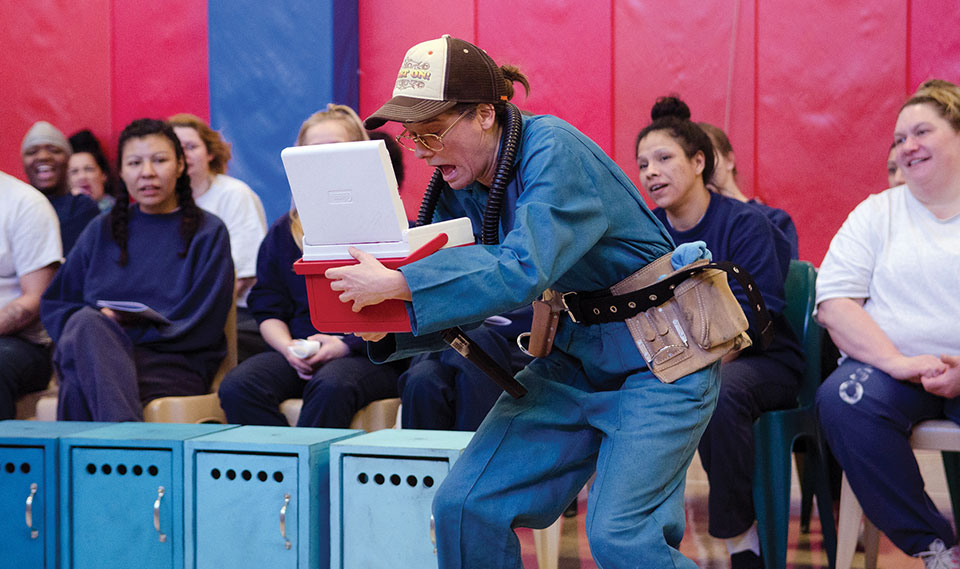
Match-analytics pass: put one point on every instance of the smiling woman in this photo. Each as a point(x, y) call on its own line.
point(886, 292)
point(162, 252)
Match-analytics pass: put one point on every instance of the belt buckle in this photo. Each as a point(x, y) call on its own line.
point(563, 300)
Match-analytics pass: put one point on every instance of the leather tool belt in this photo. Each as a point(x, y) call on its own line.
point(681, 321)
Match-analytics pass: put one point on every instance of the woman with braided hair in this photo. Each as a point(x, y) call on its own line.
point(163, 252)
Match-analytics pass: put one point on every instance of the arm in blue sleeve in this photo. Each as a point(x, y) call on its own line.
point(558, 218)
point(64, 296)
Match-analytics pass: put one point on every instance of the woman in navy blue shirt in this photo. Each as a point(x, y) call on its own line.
point(163, 252)
point(337, 380)
point(676, 160)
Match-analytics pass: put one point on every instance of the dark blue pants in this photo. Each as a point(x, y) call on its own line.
point(104, 377)
point(867, 417)
point(749, 386)
point(24, 367)
point(252, 392)
point(444, 391)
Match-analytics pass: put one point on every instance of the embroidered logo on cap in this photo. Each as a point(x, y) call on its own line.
point(422, 73)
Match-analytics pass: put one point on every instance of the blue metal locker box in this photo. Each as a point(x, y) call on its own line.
point(381, 490)
point(259, 497)
point(28, 491)
point(121, 495)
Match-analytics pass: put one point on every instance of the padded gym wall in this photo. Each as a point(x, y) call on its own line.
point(808, 91)
point(271, 66)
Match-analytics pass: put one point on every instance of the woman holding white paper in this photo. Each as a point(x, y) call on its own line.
point(570, 220)
point(332, 374)
point(163, 252)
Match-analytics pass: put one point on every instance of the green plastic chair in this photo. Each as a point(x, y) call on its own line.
point(776, 432)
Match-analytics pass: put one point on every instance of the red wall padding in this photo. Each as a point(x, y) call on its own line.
point(55, 66)
point(809, 96)
point(826, 108)
point(159, 60)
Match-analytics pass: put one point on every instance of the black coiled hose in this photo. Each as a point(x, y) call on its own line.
point(509, 143)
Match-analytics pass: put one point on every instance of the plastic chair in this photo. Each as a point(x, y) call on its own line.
point(939, 435)
point(198, 408)
point(776, 432)
point(376, 415)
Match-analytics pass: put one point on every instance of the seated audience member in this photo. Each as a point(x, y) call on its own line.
point(443, 391)
point(724, 182)
point(887, 294)
point(336, 381)
point(29, 256)
point(45, 152)
point(88, 170)
point(894, 174)
point(163, 252)
point(676, 161)
point(233, 202)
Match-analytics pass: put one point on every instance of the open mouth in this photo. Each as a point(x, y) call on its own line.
point(914, 161)
point(656, 187)
point(447, 170)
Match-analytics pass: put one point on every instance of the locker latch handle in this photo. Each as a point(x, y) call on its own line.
point(283, 521)
point(29, 515)
point(156, 515)
point(433, 533)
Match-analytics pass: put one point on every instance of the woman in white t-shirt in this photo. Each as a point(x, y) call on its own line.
point(228, 198)
point(887, 293)
point(233, 201)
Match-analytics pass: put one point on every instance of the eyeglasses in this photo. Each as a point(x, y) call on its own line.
point(432, 142)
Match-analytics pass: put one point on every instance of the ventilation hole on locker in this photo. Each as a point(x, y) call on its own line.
point(278, 476)
point(428, 481)
point(25, 468)
point(137, 470)
point(106, 469)
point(262, 476)
point(215, 474)
point(231, 475)
point(379, 479)
point(10, 467)
point(91, 468)
point(411, 480)
point(394, 479)
point(121, 469)
point(153, 470)
point(246, 475)
point(362, 478)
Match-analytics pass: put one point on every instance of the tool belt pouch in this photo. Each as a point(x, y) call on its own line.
point(546, 316)
point(699, 324)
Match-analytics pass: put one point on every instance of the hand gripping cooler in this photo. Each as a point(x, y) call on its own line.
point(346, 195)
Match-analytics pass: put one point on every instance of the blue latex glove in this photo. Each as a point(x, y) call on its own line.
point(688, 253)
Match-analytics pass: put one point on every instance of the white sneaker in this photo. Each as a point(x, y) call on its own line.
point(939, 557)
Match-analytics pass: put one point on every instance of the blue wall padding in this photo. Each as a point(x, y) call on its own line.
point(272, 64)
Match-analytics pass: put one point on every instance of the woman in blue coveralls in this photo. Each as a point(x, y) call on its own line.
point(573, 221)
point(675, 157)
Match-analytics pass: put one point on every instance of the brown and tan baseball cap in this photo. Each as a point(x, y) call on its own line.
point(435, 76)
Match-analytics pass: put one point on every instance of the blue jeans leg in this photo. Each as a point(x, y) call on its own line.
point(532, 455)
point(867, 417)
